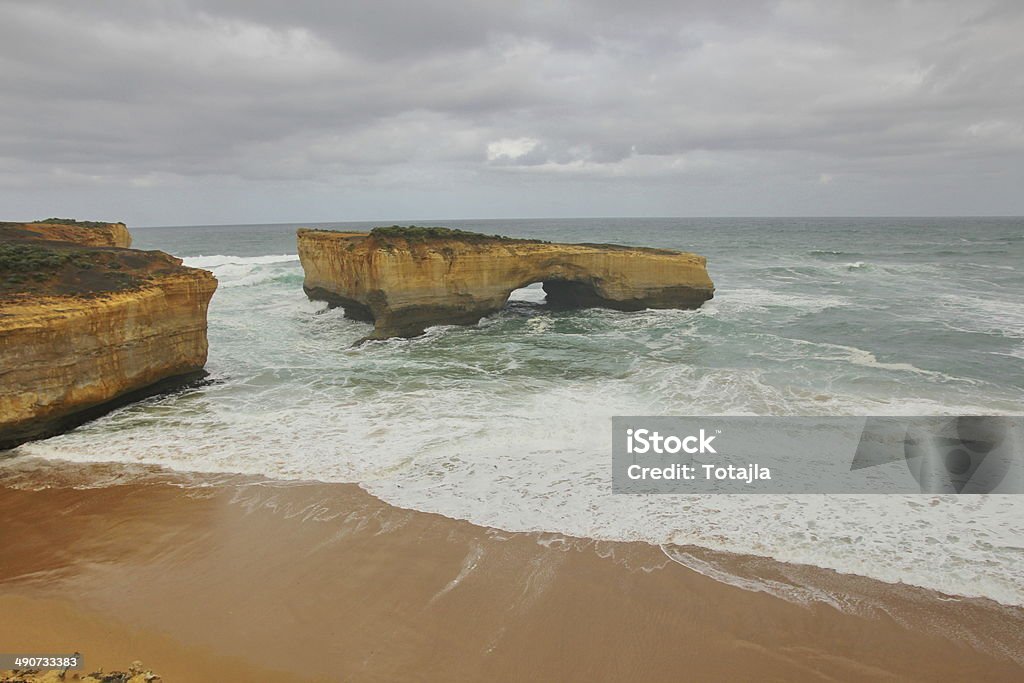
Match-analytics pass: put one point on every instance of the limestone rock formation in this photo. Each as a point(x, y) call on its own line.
point(85, 328)
point(407, 279)
point(87, 233)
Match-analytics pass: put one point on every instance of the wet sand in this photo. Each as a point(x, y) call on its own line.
point(228, 578)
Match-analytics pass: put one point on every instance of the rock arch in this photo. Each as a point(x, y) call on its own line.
point(405, 280)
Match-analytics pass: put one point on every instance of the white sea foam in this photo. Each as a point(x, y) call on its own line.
point(799, 595)
point(537, 461)
point(532, 294)
point(755, 299)
point(245, 271)
point(855, 356)
point(220, 260)
point(506, 424)
point(991, 314)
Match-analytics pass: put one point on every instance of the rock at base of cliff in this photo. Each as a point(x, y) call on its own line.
point(12, 436)
point(84, 328)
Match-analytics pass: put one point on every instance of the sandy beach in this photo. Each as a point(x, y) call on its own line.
point(227, 578)
point(512, 341)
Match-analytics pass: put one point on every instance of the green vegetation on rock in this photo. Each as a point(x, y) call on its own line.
point(72, 221)
point(18, 262)
point(413, 233)
point(61, 269)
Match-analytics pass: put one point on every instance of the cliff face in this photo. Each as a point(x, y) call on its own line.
point(404, 281)
point(85, 233)
point(84, 329)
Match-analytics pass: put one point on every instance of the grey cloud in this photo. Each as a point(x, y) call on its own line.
point(761, 99)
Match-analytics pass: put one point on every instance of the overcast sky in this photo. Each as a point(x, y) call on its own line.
point(238, 111)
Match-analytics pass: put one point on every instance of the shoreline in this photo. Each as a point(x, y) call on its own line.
point(208, 577)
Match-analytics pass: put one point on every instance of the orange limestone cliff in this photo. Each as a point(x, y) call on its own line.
point(86, 328)
point(86, 233)
point(407, 279)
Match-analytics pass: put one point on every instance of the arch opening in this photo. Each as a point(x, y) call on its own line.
point(531, 294)
point(558, 293)
point(564, 294)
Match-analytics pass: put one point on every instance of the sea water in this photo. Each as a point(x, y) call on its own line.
point(507, 423)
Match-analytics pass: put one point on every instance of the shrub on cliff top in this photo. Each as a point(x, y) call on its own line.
point(32, 269)
point(413, 233)
point(30, 259)
point(72, 221)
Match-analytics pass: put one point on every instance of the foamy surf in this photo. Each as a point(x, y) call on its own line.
point(506, 424)
point(221, 260)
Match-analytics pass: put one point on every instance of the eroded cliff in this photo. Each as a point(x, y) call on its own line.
point(86, 233)
point(405, 280)
point(83, 329)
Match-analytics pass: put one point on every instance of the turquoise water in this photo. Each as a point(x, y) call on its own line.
point(812, 303)
point(507, 423)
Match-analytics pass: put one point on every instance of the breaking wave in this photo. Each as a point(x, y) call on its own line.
point(506, 424)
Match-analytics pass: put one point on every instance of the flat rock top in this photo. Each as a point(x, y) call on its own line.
point(35, 269)
point(415, 237)
point(62, 258)
point(93, 233)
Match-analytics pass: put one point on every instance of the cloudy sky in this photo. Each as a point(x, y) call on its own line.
point(236, 111)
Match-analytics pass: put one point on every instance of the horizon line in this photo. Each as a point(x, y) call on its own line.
point(408, 221)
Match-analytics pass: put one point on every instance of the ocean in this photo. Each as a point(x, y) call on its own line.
point(507, 424)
